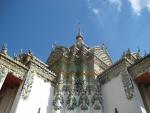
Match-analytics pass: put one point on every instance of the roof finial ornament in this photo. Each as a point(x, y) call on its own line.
point(54, 46)
point(30, 53)
point(21, 51)
point(145, 53)
point(4, 49)
point(128, 51)
point(138, 53)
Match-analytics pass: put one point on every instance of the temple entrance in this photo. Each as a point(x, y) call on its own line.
point(143, 82)
point(8, 93)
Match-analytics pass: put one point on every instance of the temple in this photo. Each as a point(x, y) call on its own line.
point(76, 79)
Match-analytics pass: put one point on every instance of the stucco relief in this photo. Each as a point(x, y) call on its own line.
point(28, 84)
point(127, 83)
point(58, 101)
point(97, 102)
point(84, 101)
point(71, 102)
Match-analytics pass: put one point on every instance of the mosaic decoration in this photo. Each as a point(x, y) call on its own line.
point(71, 102)
point(84, 101)
point(96, 101)
point(77, 68)
point(58, 102)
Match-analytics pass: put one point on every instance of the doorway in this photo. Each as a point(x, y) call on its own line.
point(143, 82)
point(8, 92)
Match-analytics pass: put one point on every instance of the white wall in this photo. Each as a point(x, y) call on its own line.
point(41, 96)
point(114, 97)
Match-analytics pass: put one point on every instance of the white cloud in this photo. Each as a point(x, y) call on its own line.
point(96, 5)
point(117, 3)
point(95, 11)
point(136, 5)
point(92, 6)
point(148, 4)
point(139, 5)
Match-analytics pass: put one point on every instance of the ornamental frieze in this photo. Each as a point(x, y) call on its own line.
point(12, 66)
point(43, 71)
point(140, 68)
point(113, 71)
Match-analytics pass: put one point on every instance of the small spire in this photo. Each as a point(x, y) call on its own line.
point(103, 46)
point(21, 51)
point(138, 53)
point(128, 51)
point(15, 56)
point(145, 53)
point(79, 35)
point(53, 47)
point(30, 53)
point(79, 29)
point(4, 49)
point(123, 55)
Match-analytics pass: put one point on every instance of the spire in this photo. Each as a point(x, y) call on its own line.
point(79, 30)
point(79, 35)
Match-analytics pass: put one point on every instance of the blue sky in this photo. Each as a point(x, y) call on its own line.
point(37, 24)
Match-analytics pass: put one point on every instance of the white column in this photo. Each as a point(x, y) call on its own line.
point(3, 74)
